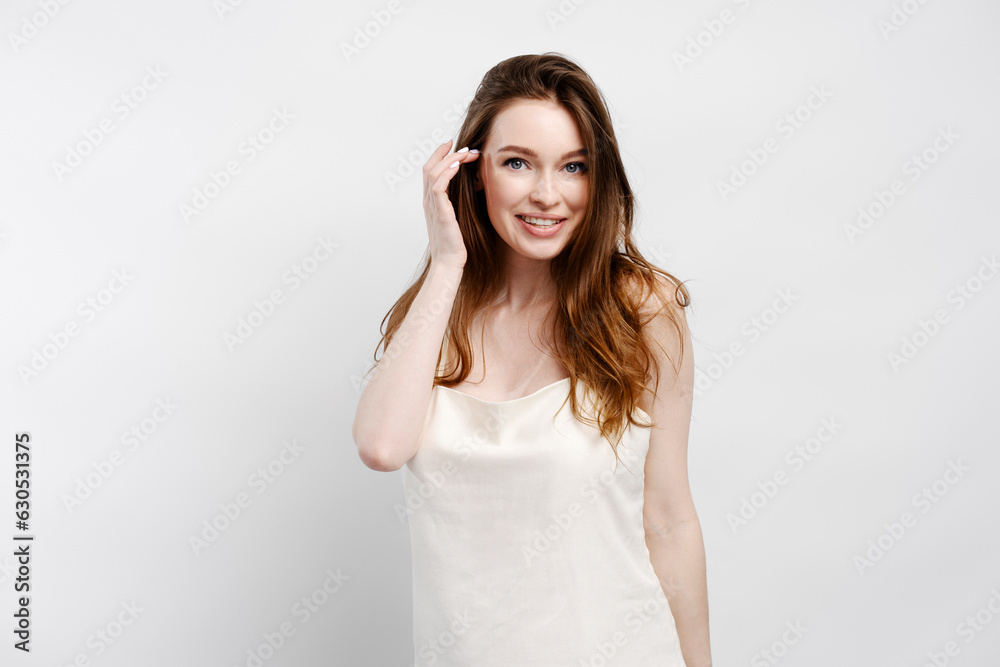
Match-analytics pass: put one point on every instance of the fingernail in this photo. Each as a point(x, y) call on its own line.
point(474, 150)
point(453, 164)
point(462, 150)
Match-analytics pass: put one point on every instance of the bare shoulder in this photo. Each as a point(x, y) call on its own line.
point(666, 331)
point(657, 306)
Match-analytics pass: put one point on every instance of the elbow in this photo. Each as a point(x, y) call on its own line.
point(372, 454)
point(379, 458)
point(378, 450)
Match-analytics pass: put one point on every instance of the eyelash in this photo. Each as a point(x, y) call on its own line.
point(581, 170)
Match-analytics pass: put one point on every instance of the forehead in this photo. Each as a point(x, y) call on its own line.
point(542, 125)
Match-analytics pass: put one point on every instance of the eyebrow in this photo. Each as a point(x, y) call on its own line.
point(527, 151)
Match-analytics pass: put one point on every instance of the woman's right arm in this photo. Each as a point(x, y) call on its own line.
point(394, 403)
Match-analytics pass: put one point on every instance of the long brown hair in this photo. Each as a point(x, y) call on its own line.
point(598, 329)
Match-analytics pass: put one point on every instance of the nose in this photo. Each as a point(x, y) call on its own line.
point(545, 193)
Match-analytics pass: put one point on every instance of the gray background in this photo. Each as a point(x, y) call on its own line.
point(683, 129)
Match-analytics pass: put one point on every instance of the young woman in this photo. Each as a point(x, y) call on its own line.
point(536, 384)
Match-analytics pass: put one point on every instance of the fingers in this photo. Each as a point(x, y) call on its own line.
point(458, 157)
point(463, 155)
point(443, 173)
point(440, 167)
point(437, 155)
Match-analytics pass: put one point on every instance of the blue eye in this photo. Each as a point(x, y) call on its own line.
point(579, 167)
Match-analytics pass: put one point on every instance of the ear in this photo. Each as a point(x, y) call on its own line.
point(477, 182)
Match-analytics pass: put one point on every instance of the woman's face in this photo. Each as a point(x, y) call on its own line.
point(534, 165)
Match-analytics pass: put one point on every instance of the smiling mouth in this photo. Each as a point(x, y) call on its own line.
point(540, 222)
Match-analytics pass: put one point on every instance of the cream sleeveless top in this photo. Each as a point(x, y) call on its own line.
point(528, 545)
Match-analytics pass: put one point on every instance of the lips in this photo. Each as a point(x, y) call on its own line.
point(540, 220)
point(543, 230)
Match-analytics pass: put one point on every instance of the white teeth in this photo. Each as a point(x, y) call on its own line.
point(539, 222)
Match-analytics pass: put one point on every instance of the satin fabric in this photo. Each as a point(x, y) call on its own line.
point(527, 540)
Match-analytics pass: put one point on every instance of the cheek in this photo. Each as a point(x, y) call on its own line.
point(496, 200)
point(504, 190)
point(580, 193)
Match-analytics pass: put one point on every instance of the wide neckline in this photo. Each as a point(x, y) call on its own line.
point(642, 412)
point(510, 400)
